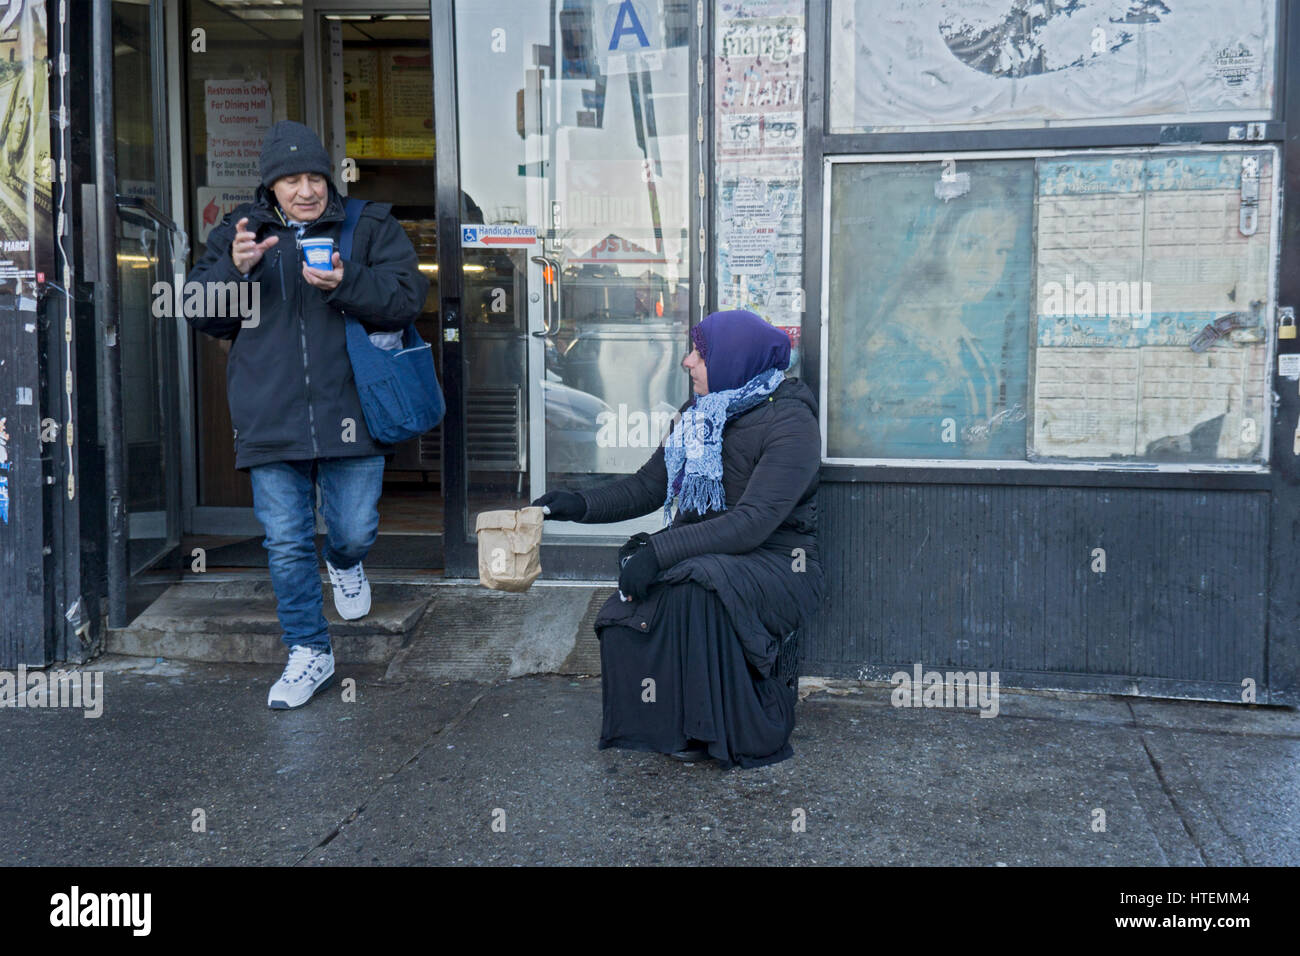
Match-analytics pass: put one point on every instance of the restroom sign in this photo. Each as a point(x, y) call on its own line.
point(495, 237)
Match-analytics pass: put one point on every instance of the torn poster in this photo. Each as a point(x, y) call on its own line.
point(1148, 246)
point(758, 134)
point(934, 64)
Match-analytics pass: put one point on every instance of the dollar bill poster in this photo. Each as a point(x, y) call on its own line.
point(26, 170)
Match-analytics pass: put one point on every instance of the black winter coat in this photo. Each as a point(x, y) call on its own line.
point(759, 555)
point(289, 381)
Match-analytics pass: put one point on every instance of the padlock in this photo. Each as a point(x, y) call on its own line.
point(1286, 330)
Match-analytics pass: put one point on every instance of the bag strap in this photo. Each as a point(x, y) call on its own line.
point(352, 210)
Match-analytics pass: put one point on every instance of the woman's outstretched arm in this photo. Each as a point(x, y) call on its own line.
point(634, 496)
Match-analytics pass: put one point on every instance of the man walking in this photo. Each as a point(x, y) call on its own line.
point(298, 424)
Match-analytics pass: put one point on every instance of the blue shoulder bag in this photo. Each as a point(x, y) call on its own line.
point(400, 395)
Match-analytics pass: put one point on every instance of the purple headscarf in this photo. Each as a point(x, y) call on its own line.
point(738, 345)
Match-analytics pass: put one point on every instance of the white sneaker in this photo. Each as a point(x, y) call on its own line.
point(308, 671)
point(351, 591)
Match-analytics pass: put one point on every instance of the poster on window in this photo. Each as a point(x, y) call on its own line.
point(1151, 337)
point(929, 310)
point(26, 170)
point(238, 114)
point(934, 64)
point(758, 136)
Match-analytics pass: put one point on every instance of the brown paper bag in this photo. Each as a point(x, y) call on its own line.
point(509, 548)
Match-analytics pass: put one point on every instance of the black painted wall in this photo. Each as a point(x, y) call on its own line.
point(1000, 577)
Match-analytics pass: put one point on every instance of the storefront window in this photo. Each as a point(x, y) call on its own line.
point(1089, 307)
point(575, 133)
point(950, 64)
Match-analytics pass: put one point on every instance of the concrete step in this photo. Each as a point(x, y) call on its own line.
point(471, 633)
point(235, 621)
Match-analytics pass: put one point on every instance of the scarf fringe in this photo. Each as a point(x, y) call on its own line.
point(701, 495)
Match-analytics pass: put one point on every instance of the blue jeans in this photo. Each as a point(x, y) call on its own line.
point(284, 501)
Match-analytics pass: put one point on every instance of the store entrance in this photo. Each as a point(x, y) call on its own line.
point(370, 95)
point(567, 320)
point(361, 76)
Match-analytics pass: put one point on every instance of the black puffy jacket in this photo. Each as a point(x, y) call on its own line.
point(759, 555)
point(289, 381)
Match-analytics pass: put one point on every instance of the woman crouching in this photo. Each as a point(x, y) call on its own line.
point(689, 647)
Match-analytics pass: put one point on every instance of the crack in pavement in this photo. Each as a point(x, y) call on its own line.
point(352, 817)
point(1167, 789)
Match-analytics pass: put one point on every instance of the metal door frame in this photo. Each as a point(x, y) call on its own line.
point(161, 62)
point(108, 304)
point(312, 13)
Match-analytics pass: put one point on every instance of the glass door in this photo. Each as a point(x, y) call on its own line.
point(150, 250)
point(371, 100)
point(574, 133)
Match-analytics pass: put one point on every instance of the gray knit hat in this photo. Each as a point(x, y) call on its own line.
point(291, 148)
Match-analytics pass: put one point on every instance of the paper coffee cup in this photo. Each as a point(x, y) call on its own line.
point(319, 253)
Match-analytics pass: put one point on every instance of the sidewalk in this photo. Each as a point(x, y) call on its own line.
point(413, 772)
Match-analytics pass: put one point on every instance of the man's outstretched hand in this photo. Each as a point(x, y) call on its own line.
point(245, 250)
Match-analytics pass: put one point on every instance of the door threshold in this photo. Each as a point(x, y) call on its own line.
point(382, 575)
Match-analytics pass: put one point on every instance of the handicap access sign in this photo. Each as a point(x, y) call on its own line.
point(494, 237)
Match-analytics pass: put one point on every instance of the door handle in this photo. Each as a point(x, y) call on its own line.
point(147, 210)
point(551, 306)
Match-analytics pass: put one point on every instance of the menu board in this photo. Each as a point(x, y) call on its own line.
point(362, 119)
point(408, 104)
point(388, 103)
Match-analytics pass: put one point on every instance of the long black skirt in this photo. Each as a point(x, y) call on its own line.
point(703, 687)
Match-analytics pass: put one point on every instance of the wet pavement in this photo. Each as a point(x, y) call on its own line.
point(427, 772)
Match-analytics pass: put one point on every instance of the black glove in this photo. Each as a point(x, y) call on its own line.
point(639, 572)
point(564, 505)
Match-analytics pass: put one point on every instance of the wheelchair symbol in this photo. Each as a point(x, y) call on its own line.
point(468, 235)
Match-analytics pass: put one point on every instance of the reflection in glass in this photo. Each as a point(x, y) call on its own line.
point(581, 134)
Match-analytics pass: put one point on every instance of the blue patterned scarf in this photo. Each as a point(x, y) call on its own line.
point(693, 451)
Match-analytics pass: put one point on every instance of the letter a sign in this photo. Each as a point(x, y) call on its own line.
point(627, 23)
